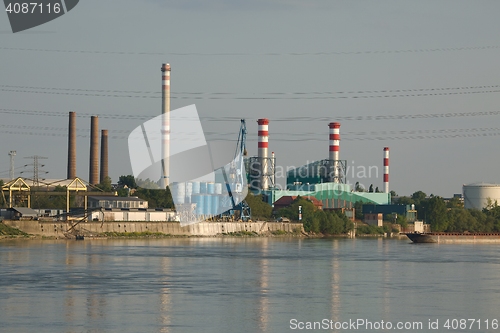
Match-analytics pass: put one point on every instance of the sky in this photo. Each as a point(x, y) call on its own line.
point(420, 77)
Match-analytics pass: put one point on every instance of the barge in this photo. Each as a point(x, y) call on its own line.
point(453, 237)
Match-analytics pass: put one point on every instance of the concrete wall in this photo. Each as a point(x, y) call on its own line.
point(57, 229)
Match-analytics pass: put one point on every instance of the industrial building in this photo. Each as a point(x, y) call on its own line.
point(477, 195)
point(286, 201)
point(139, 215)
point(407, 211)
point(324, 180)
point(116, 202)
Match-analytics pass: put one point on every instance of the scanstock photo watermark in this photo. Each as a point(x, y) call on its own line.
point(448, 324)
point(25, 15)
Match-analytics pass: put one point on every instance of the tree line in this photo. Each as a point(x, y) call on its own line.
point(450, 215)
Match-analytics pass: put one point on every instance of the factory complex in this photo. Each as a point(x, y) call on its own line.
point(324, 181)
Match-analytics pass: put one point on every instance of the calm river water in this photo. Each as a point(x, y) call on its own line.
point(246, 285)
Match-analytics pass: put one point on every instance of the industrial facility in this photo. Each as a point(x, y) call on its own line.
point(324, 180)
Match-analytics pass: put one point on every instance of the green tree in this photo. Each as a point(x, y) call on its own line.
point(436, 213)
point(371, 188)
point(405, 201)
point(123, 192)
point(156, 198)
point(454, 203)
point(402, 221)
point(358, 210)
point(310, 221)
point(377, 190)
point(420, 200)
point(460, 220)
point(149, 184)
point(105, 185)
point(260, 209)
point(393, 194)
point(128, 181)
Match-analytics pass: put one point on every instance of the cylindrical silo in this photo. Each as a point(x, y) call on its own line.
point(196, 187)
point(478, 195)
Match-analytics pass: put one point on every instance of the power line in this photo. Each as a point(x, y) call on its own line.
point(348, 136)
point(378, 117)
point(294, 96)
point(273, 54)
point(137, 92)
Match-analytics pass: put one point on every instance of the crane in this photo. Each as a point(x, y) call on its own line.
point(235, 179)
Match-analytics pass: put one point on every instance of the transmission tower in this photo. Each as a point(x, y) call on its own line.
point(12, 153)
point(36, 167)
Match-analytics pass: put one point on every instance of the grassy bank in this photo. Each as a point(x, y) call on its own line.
point(5, 230)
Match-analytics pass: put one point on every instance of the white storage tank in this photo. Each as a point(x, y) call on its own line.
point(477, 195)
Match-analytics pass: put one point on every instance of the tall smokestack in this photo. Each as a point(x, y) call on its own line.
point(262, 151)
point(165, 130)
point(386, 169)
point(72, 146)
point(94, 151)
point(104, 155)
point(334, 150)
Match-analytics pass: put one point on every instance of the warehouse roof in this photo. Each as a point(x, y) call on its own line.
point(25, 211)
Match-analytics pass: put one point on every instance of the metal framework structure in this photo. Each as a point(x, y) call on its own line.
point(36, 168)
point(254, 172)
point(18, 186)
point(236, 176)
point(337, 170)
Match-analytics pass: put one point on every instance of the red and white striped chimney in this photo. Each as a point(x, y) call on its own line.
point(334, 150)
point(262, 151)
point(386, 169)
point(165, 128)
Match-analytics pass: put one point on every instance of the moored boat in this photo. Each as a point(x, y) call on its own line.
point(453, 237)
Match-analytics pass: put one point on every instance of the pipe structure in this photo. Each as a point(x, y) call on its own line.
point(72, 146)
point(104, 155)
point(165, 129)
point(94, 151)
point(262, 152)
point(273, 161)
point(386, 169)
point(334, 150)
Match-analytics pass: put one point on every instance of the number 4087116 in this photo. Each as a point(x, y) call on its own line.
point(33, 8)
point(471, 324)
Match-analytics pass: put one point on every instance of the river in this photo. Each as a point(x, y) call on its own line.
point(247, 285)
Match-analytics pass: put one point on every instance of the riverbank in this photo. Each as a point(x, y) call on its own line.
point(120, 229)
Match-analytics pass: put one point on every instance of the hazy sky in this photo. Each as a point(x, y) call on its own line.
point(301, 64)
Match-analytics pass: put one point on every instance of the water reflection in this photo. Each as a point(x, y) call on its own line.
point(165, 297)
point(335, 284)
point(264, 286)
point(237, 285)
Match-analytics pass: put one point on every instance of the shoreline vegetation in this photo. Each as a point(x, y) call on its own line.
point(7, 232)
